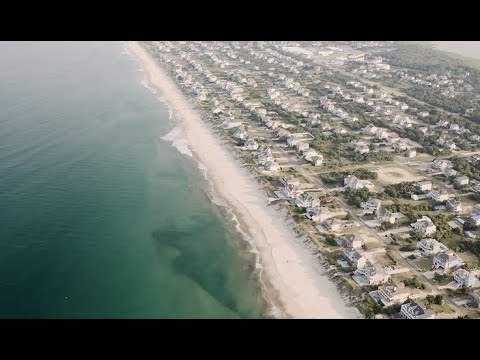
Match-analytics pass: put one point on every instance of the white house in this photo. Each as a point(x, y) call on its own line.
point(250, 144)
point(414, 311)
point(352, 182)
point(307, 201)
point(424, 225)
point(450, 172)
point(352, 242)
point(264, 155)
point(272, 166)
point(454, 205)
point(290, 180)
point(423, 114)
point(371, 205)
point(362, 148)
point(475, 216)
point(464, 277)
point(431, 246)
point(395, 293)
point(439, 164)
point(370, 129)
point(410, 153)
point(374, 274)
point(355, 258)
point(439, 195)
point(319, 214)
point(333, 225)
point(385, 215)
point(446, 260)
point(462, 180)
point(302, 146)
point(424, 185)
point(317, 160)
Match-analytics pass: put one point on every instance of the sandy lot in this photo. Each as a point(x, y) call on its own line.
point(395, 174)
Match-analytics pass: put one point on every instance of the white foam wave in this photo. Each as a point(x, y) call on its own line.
point(179, 141)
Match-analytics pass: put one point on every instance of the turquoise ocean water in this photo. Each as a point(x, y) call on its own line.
point(100, 217)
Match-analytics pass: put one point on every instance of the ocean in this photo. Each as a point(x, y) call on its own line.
point(101, 215)
point(465, 48)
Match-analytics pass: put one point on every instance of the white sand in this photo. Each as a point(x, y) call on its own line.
point(298, 282)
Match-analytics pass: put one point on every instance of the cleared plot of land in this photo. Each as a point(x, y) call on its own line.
point(442, 308)
point(424, 263)
point(469, 258)
point(395, 174)
point(383, 260)
point(373, 245)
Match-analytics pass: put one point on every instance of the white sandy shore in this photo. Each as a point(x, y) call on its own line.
point(299, 283)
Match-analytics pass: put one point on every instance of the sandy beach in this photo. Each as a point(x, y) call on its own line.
point(292, 276)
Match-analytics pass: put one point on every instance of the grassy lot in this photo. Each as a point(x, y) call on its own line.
point(373, 245)
point(470, 259)
point(401, 276)
point(424, 263)
point(442, 308)
point(384, 260)
point(445, 281)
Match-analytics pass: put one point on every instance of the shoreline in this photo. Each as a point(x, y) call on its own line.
point(293, 278)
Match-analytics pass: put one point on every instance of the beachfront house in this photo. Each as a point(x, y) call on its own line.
point(319, 214)
point(373, 274)
point(351, 241)
point(250, 144)
point(414, 311)
point(306, 200)
point(430, 246)
point(333, 225)
point(446, 260)
point(355, 258)
point(391, 294)
point(371, 205)
point(290, 180)
point(272, 166)
point(424, 225)
point(464, 278)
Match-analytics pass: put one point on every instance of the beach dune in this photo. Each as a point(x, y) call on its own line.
point(292, 277)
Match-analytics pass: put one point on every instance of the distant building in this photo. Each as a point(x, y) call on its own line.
point(462, 180)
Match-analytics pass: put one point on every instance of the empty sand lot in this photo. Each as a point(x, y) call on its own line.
point(395, 174)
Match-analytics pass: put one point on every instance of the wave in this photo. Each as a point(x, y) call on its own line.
point(180, 141)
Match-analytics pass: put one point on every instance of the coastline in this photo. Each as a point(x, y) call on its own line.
point(293, 278)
